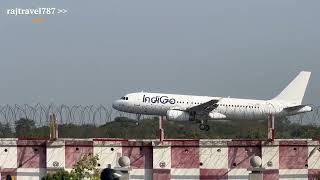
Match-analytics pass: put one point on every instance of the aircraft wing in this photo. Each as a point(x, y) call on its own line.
point(205, 107)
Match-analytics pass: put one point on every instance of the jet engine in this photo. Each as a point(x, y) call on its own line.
point(178, 115)
point(216, 115)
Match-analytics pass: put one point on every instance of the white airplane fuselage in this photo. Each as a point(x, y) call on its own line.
point(229, 108)
point(189, 107)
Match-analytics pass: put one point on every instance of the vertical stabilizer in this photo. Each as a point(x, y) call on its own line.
point(294, 92)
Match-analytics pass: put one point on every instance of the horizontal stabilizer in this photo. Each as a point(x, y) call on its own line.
point(293, 108)
point(298, 109)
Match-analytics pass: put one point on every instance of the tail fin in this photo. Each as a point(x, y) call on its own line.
point(294, 92)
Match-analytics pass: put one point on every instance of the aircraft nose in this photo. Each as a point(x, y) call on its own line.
point(116, 104)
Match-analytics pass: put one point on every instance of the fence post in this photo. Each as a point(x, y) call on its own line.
point(161, 131)
point(53, 127)
point(256, 169)
point(271, 130)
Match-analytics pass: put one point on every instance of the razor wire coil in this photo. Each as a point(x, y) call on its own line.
point(96, 114)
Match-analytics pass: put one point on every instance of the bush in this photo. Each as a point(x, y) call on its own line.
point(84, 168)
point(59, 175)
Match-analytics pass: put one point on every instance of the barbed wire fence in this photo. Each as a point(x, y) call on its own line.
point(98, 114)
point(66, 114)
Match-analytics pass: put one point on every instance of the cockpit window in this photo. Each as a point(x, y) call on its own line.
point(124, 98)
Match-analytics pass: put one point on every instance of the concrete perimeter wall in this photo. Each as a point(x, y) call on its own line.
point(171, 159)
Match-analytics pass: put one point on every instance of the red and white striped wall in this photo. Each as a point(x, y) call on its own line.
point(170, 159)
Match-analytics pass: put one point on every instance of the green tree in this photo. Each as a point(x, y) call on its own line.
point(86, 167)
point(59, 175)
point(5, 130)
point(24, 127)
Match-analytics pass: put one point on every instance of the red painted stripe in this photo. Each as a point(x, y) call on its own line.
point(161, 174)
point(313, 174)
point(75, 150)
point(78, 143)
point(239, 143)
point(273, 134)
point(33, 138)
point(109, 139)
point(240, 153)
point(293, 143)
point(293, 151)
point(272, 174)
point(136, 144)
point(31, 142)
point(213, 174)
point(181, 140)
point(183, 143)
point(31, 156)
point(8, 171)
point(185, 155)
point(140, 157)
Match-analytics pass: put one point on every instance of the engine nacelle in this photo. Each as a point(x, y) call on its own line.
point(216, 115)
point(177, 115)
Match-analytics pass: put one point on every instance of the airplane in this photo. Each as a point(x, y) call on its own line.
point(203, 108)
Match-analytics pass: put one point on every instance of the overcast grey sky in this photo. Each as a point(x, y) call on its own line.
point(101, 50)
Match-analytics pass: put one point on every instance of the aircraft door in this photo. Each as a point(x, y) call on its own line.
point(137, 104)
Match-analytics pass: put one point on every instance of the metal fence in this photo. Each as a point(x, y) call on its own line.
point(96, 114)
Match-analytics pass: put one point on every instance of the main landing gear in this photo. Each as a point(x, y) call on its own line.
point(204, 126)
point(138, 116)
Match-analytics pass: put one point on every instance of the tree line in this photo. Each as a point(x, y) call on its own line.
point(123, 127)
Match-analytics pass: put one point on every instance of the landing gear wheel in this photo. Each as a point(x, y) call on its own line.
point(207, 127)
point(202, 127)
point(138, 119)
